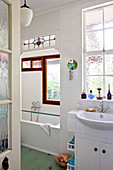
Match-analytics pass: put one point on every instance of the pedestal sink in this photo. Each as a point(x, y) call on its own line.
point(96, 119)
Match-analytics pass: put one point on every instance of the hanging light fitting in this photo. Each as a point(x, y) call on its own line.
point(26, 15)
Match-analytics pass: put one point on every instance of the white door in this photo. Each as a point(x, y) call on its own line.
point(87, 155)
point(9, 83)
point(106, 157)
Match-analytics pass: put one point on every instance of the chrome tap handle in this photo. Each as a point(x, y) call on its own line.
point(101, 103)
point(97, 108)
point(106, 109)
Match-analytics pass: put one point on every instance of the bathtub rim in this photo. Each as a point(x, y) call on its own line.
point(38, 123)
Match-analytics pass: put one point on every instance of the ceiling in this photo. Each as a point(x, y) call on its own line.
point(42, 6)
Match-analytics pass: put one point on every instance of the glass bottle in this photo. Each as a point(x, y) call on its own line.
point(90, 95)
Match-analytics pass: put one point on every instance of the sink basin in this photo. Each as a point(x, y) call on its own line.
point(95, 119)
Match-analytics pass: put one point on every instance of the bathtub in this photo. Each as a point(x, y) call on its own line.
point(34, 136)
point(41, 118)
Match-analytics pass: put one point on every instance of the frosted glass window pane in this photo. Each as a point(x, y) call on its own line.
point(108, 16)
point(109, 64)
point(52, 43)
point(46, 38)
point(94, 41)
point(108, 39)
point(25, 46)
point(53, 79)
point(4, 25)
point(46, 44)
point(52, 37)
point(4, 114)
point(94, 82)
point(108, 80)
point(26, 64)
point(31, 44)
point(37, 64)
point(3, 76)
point(94, 65)
point(94, 20)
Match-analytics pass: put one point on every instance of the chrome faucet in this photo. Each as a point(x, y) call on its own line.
point(35, 105)
point(101, 109)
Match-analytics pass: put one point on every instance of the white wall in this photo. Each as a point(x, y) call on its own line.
point(14, 154)
point(67, 23)
point(32, 88)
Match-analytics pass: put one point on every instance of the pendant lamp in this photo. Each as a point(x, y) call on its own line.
point(26, 15)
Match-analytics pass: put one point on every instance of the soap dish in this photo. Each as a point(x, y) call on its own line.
point(90, 110)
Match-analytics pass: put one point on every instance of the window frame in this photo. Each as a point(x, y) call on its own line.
point(44, 74)
point(9, 101)
point(102, 52)
point(44, 84)
point(31, 59)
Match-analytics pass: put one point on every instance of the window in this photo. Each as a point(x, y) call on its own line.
point(32, 64)
point(98, 49)
point(51, 80)
point(5, 78)
point(40, 42)
point(50, 67)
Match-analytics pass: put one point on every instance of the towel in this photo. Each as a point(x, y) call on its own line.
point(47, 128)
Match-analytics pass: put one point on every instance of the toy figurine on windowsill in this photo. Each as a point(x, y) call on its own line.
point(99, 97)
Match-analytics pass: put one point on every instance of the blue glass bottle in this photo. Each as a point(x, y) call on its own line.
point(109, 94)
point(90, 95)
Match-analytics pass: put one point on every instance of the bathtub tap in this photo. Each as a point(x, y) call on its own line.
point(35, 106)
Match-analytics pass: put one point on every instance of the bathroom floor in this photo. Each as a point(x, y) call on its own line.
point(35, 160)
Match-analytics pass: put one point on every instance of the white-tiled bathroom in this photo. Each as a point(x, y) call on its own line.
point(67, 24)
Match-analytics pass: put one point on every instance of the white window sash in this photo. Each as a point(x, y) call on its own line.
point(102, 52)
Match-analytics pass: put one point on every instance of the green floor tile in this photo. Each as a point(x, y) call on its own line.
point(35, 160)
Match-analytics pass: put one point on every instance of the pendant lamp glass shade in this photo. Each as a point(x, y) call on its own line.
point(26, 15)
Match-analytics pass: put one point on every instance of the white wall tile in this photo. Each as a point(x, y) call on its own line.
point(76, 10)
point(68, 22)
point(88, 4)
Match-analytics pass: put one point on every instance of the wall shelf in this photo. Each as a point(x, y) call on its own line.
point(70, 167)
point(70, 147)
point(95, 100)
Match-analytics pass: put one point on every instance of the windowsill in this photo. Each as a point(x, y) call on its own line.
point(95, 100)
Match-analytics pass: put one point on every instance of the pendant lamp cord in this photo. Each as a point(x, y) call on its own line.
point(25, 2)
point(24, 5)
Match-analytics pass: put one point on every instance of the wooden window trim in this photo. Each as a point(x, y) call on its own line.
point(44, 74)
point(31, 59)
point(44, 84)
